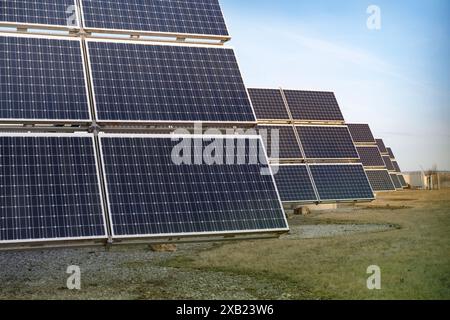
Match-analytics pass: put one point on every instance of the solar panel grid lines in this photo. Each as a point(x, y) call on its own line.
point(165, 199)
point(269, 104)
point(287, 148)
point(396, 166)
point(294, 183)
point(396, 181)
point(341, 182)
point(198, 18)
point(310, 106)
point(43, 79)
point(327, 142)
point(50, 189)
point(402, 181)
point(39, 13)
point(168, 83)
point(370, 156)
point(391, 153)
point(361, 133)
point(389, 164)
point(380, 180)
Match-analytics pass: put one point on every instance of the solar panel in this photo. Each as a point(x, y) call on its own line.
point(380, 180)
point(167, 83)
point(313, 106)
point(388, 163)
point(396, 181)
point(341, 182)
point(327, 142)
point(396, 166)
point(268, 104)
point(153, 193)
point(161, 16)
point(370, 156)
point(381, 146)
point(49, 188)
point(361, 133)
point(42, 79)
point(402, 180)
point(391, 153)
point(286, 147)
point(38, 12)
point(294, 183)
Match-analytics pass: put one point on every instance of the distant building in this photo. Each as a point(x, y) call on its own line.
point(428, 180)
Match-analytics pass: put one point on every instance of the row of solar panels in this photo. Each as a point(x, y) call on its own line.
point(51, 189)
point(280, 105)
point(45, 79)
point(187, 17)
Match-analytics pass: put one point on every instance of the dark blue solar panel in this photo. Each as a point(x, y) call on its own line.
point(294, 183)
point(42, 79)
point(341, 182)
point(396, 181)
point(381, 146)
point(396, 166)
point(268, 104)
point(168, 16)
point(313, 105)
point(43, 12)
point(151, 194)
point(391, 153)
point(327, 142)
point(136, 82)
point(380, 180)
point(370, 156)
point(49, 189)
point(361, 133)
point(402, 180)
point(280, 142)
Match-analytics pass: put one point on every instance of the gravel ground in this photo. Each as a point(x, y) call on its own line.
point(138, 273)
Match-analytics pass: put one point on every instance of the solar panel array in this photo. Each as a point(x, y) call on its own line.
point(381, 146)
point(361, 133)
point(396, 181)
point(202, 17)
point(370, 156)
point(49, 189)
point(268, 104)
point(37, 12)
point(391, 153)
point(152, 83)
point(42, 79)
point(294, 183)
point(380, 180)
point(327, 142)
point(286, 146)
point(388, 163)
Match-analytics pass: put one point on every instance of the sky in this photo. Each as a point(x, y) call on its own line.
point(396, 78)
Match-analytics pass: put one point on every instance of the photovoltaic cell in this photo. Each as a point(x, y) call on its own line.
point(294, 183)
point(341, 182)
point(313, 105)
point(268, 104)
point(42, 79)
point(286, 146)
point(327, 142)
point(49, 189)
point(153, 83)
point(202, 17)
point(380, 180)
point(381, 146)
point(402, 180)
point(150, 194)
point(42, 12)
point(388, 163)
point(370, 156)
point(396, 181)
point(361, 133)
point(391, 153)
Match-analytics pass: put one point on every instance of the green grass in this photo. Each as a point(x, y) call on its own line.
point(414, 260)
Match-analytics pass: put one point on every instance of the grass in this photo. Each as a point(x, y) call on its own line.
point(414, 259)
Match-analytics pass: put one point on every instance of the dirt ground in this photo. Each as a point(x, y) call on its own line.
point(326, 255)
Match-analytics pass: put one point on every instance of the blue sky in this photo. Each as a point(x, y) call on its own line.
point(396, 79)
